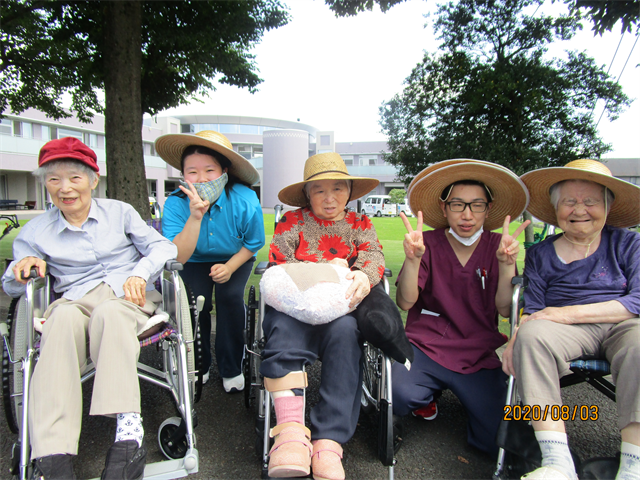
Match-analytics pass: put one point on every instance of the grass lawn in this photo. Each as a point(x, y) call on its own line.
point(390, 233)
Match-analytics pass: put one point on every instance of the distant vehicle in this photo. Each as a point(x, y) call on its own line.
point(404, 207)
point(155, 208)
point(378, 205)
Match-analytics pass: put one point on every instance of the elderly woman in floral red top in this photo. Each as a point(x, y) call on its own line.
point(322, 231)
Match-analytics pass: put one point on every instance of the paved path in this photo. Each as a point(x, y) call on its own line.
point(225, 437)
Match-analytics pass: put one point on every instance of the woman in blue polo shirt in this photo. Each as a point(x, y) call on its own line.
point(215, 219)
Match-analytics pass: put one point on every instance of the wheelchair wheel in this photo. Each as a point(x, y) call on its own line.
point(187, 329)
point(250, 364)
point(370, 378)
point(12, 378)
point(172, 438)
point(196, 351)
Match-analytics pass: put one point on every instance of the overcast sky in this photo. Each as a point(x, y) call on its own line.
point(334, 73)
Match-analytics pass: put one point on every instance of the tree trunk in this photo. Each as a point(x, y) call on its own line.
point(528, 231)
point(126, 178)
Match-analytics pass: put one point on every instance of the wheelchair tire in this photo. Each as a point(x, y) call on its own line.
point(172, 438)
point(249, 364)
point(12, 378)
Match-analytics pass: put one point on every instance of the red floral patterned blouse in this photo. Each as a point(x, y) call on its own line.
point(300, 236)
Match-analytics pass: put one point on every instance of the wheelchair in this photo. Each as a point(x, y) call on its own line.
point(519, 452)
point(376, 397)
point(180, 373)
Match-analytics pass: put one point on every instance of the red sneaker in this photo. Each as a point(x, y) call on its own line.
point(427, 413)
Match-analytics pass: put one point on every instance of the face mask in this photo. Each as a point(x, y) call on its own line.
point(467, 242)
point(210, 191)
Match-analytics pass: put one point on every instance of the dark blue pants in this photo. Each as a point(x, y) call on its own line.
point(230, 314)
point(482, 394)
point(292, 344)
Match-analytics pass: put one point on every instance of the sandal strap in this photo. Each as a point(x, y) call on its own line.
point(328, 447)
point(298, 433)
point(275, 431)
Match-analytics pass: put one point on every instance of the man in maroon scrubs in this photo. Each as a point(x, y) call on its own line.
point(454, 282)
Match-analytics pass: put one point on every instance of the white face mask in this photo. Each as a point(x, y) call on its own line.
point(467, 242)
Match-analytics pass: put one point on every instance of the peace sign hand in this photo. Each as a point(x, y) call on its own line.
point(509, 246)
point(413, 243)
point(197, 206)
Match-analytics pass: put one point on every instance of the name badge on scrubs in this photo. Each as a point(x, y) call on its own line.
point(429, 312)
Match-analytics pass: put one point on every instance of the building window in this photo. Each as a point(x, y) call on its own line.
point(325, 140)
point(372, 161)
point(169, 187)
point(251, 129)
point(348, 160)
point(46, 132)
point(27, 130)
point(5, 127)
point(91, 140)
point(63, 132)
point(257, 151)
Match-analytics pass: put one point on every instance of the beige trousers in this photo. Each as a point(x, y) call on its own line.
point(543, 350)
point(107, 326)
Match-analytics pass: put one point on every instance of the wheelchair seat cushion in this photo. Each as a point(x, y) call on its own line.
point(313, 293)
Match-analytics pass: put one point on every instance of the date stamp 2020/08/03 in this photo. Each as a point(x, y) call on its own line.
point(550, 412)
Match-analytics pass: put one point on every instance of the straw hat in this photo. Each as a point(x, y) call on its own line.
point(325, 166)
point(510, 196)
point(625, 211)
point(171, 146)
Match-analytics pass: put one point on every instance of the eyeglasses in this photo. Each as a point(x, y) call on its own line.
point(475, 207)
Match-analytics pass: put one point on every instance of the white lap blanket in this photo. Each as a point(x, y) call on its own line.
point(313, 293)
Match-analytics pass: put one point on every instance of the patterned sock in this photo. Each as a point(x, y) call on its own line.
point(556, 453)
point(129, 427)
point(629, 462)
point(289, 409)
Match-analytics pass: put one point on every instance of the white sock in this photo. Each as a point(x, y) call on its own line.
point(629, 462)
point(129, 427)
point(556, 453)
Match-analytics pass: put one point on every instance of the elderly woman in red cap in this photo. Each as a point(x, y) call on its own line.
point(104, 259)
point(582, 301)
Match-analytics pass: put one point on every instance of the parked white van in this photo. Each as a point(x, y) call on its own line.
point(378, 205)
point(404, 207)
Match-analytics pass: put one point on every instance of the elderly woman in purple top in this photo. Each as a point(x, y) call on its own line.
point(582, 301)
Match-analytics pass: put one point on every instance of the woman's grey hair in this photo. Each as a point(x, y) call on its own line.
point(49, 167)
point(554, 193)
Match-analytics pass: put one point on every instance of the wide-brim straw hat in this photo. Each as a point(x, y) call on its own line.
point(625, 211)
point(325, 166)
point(171, 146)
point(510, 196)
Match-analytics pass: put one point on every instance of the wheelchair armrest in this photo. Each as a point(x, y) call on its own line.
point(388, 272)
point(519, 280)
point(261, 268)
point(172, 265)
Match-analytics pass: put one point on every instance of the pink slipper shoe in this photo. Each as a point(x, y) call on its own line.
point(326, 461)
point(290, 455)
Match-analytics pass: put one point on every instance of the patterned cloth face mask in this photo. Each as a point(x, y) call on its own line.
point(210, 191)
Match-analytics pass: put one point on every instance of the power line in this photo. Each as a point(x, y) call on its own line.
point(619, 76)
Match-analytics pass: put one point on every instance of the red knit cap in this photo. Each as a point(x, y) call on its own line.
point(68, 147)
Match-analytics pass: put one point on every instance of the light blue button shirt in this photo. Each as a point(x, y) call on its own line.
point(231, 223)
point(113, 244)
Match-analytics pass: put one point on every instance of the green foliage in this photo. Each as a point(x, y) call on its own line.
point(347, 8)
point(51, 47)
point(397, 195)
point(604, 14)
point(490, 93)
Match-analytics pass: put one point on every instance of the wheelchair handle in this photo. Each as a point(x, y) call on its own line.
point(173, 265)
point(33, 273)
